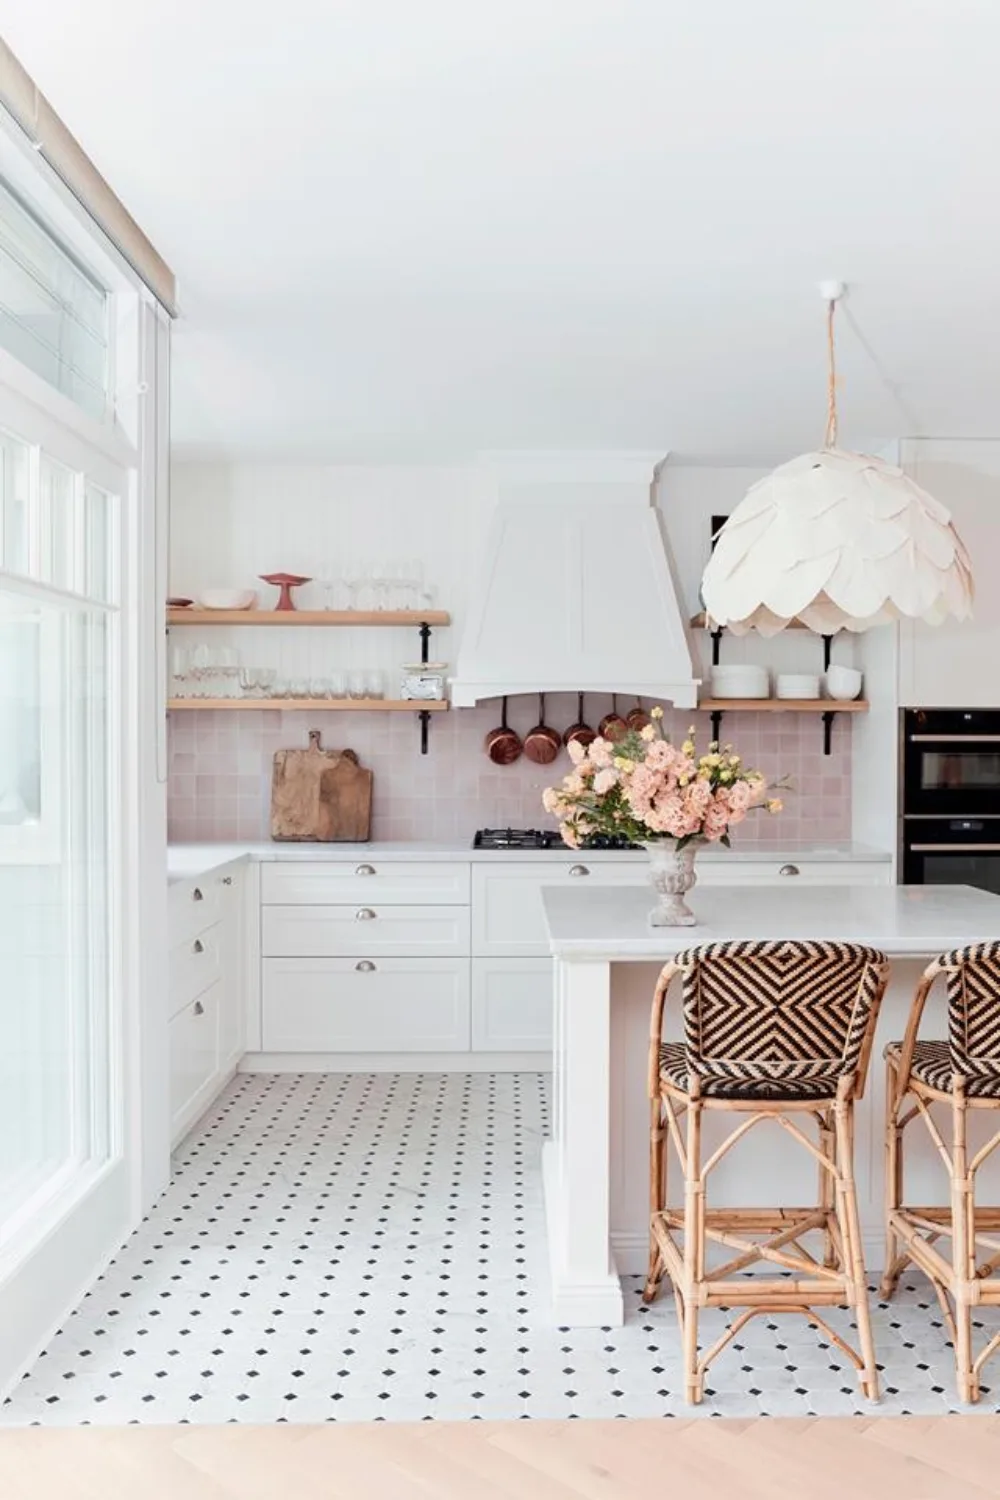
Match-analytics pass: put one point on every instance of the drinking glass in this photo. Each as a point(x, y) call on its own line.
point(374, 684)
point(356, 684)
point(180, 677)
point(319, 687)
point(298, 687)
point(266, 678)
point(338, 685)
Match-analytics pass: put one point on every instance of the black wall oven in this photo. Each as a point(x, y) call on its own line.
point(950, 825)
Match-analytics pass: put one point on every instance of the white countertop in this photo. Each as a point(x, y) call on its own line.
point(905, 921)
point(185, 861)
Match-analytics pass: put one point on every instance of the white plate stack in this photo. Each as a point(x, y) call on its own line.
point(740, 681)
point(797, 685)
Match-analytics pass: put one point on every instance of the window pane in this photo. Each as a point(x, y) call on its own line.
point(54, 898)
point(58, 523)
point(53, 315)
point(14, 514)
point(98, 529)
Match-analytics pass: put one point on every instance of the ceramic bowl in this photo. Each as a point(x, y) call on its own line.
point(843, 683)
point(227, 598)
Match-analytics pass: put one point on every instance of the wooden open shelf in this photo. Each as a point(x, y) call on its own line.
point(784, 705)
point(320, 705)
point(308, 617)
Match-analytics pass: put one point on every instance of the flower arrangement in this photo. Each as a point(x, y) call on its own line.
point(644, 789)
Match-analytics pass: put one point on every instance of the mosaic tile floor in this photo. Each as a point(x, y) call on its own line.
point(358, 1247)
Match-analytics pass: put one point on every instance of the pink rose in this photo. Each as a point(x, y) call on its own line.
point(605, 780)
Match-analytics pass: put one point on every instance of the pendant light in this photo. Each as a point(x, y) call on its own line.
point(838, 540)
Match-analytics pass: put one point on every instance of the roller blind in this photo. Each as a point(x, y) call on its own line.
point(36, 117)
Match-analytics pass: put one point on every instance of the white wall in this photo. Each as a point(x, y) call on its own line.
point(957, 665)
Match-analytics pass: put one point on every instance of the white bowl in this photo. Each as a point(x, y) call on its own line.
point(796, 685)
point(843, 683)
point(740, 681)
point(227, 598)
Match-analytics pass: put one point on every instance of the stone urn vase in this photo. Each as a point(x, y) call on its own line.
point(672, 875)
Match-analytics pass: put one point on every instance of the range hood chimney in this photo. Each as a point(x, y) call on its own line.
point(576, 591)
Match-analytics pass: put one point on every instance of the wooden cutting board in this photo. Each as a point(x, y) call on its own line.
point(321, 796)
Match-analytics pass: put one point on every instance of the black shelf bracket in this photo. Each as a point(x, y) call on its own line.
point(716, 645)
point(716, 717)
point(424, 716)
point(828, 718)
point(827, 643)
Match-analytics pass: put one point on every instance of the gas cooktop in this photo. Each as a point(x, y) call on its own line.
point(538, 838)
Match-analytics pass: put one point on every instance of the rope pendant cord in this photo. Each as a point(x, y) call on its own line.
point(830, 440)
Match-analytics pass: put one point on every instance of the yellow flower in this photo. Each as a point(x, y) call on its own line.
point(688, 747)
point(623, 763)
point(649, 733)
point(656, 713)
point(683, 780)
point(714, 759)
point(704, 774)
point(725, 775)
point(692, 731)
point(775, 805)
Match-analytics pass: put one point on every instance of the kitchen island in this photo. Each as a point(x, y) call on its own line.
point(607, 959)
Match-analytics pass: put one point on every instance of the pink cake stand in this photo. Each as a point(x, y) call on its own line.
point(285, 582)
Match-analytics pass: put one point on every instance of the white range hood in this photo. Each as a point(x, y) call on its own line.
point(576, 590)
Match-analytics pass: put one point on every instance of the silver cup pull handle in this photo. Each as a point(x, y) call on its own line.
point(365, 870)
point(365, 966)
point(789, 870)
point(364, 914)
point(578, 870)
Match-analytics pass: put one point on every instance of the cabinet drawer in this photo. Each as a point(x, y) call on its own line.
point(194, 965)
point(192, 905)
point(507, 915)
point(364, 881)
point(194, 1046)
point(365, 1005)
point(721, 871)
point(511, 1005)
point(330, 931)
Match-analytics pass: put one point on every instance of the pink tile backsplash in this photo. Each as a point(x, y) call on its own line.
point(220, 770)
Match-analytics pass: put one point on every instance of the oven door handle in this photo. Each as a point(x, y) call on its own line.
point(954, 739)
point(953, 848)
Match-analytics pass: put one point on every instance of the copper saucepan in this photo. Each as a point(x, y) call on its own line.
point(503, 745)
point(637, 718)
point(580, 733)
point(613, 727)
point(542, 744)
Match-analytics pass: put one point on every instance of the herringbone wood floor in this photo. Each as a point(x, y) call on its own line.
point(936, 1458)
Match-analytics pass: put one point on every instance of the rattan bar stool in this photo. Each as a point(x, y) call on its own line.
point(782, 1032)
point(963, 1072)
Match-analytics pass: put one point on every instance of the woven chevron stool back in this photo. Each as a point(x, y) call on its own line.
point(964, 1072)
point(778, 1033)
point(769, 1015)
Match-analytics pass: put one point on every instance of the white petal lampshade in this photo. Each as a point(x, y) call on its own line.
point(840, 541)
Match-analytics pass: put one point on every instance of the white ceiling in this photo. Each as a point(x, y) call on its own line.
point(423, 227)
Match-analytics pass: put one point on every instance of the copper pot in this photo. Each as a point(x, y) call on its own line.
point(613, 727)
point(637, 718)
point(542, 744)
point(580, 733)
point(503, 745)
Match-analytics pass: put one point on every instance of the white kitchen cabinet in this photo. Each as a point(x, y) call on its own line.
point(346, 1005)
point(952, 665)
point(365, 931)
point(512, 1005)
point(194, 1059)
point(365, 882)
point(207, 971)
point(507, 916)
point(233, 958)
point(786, 872)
